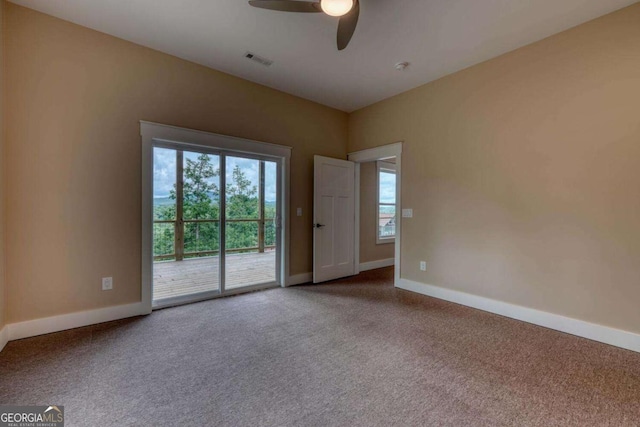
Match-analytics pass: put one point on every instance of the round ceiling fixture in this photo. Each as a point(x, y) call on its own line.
point(401, 66)
point(336, 7)
point(348, 12)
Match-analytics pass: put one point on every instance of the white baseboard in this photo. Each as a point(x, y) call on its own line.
point(604, 334)
point(592, 331)
point(372, 265)
point(47, 325)
point(4, 336)
point(298, 279)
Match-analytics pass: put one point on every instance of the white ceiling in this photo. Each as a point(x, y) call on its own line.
point(437, 37)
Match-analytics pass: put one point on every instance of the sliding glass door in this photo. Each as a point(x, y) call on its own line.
point(251, 205)
point(216, 218)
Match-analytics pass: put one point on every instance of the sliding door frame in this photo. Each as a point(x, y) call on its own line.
point(165, 136)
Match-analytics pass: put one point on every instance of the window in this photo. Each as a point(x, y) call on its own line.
point(386, 206)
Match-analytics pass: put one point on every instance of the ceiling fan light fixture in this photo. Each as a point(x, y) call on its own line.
point(336, 7)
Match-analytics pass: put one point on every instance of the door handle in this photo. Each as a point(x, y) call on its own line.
point(318, 225)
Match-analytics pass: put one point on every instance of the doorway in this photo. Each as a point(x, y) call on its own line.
point(387, 208)
point(378, 214)
point(337, 209)
point(217, 219)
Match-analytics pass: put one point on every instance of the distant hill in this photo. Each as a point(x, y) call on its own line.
point(162, 201)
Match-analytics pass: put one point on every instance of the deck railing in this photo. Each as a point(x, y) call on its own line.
point(171, 243)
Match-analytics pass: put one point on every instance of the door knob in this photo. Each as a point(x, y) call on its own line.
point(318, 225)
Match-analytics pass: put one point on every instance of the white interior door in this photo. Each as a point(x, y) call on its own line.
point(333, 219)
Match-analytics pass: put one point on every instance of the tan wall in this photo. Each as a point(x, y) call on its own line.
point(2, 171)
point(76, 97)
point(369, 250)
point(524, 174)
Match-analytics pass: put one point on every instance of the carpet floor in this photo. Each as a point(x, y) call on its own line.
point(354, 352)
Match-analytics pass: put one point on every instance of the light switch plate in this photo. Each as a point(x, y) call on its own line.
point(299, 211)
point(407, 213)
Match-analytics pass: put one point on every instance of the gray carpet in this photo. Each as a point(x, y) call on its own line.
point(354, 352)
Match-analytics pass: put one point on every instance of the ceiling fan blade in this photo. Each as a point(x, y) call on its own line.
point(287, 5)
point(347, 25)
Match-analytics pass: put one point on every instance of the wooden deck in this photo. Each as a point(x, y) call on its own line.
point(179, 278)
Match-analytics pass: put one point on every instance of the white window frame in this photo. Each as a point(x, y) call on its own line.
point(382, 166)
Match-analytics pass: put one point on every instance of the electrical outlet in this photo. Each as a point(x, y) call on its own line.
point(299, 212)
point(107, 283)
point(423, 265)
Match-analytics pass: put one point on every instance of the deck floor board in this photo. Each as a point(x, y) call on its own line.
point(179, 278)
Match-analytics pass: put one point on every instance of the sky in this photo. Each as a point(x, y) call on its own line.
point(164, 171)
point(387, 187)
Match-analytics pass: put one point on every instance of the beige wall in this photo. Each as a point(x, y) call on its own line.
point(522, 171)
point(2, 170)
point(369, 250)
point(524, 174)
point(76, 97)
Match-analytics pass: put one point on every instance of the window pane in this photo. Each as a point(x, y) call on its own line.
point(270, 182)
point(387, 221)
point(387, 187)
point(201, 190)
point(164, 181)
point(242, 188)
point(270, 195)
point(164, 202)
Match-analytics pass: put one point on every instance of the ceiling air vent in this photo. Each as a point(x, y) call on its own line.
point(259, 59)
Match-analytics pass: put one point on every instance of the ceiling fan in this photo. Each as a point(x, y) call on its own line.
point(347, 10)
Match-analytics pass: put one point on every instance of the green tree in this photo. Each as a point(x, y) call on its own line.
point(200, 202)
point(242, 203)
point(164, 233)
point(200, 194)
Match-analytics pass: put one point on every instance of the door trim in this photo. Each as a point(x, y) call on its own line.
point(372, 155)
point(156, 134)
